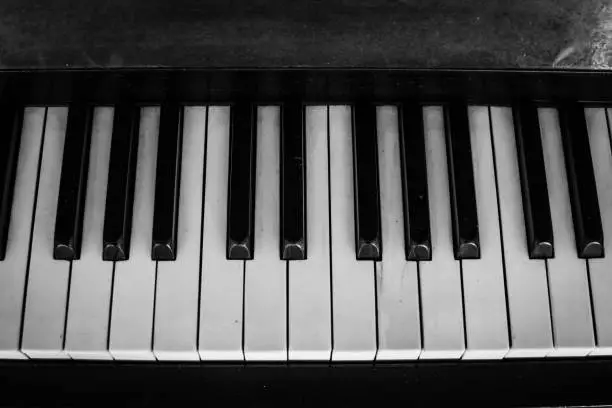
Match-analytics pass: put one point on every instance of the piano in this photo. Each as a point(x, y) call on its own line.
point(283, 231)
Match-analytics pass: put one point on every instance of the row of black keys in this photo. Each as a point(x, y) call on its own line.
point(293, 240)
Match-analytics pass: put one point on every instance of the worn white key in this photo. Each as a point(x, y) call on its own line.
point(47, 287)
point(308, 280)
point(399, 332)
point(600, 269)
point(484, 291)
point(134, 283)
point(178, 282)
point(265, 281)
point(353, 282)
point(222, 279)
point(90, 285)
point(13, 268)
point(567, 275)
point(526, 283)
point(441, 302)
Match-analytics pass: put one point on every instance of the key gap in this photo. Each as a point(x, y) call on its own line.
point(550, 306)
point(202, 230)
point(67, 305)
point(27, 274)
point(331, 280)
point(287, 306)
point(376, 311)
point(243, 305)
point(421, 333)
point(501, 235)
point(465, 338)
point(153, 319)
point(110, 309)
point(591, 303)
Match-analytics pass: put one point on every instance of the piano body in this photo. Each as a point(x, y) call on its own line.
point(314, 235)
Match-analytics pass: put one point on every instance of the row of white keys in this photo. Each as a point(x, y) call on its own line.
point(399, 332)
point(440, 278)
point(600, 269)
point(47, 287)
point(221, 297)
point(131, 319)
point(353, 281)
point(91, 277)
point(13, 268)
point(309, 280)
point(178, 282)
point(526, 280)
point(567, 274)
point(483, 279)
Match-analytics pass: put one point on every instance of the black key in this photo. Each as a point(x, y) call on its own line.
point(581, 182)
point(121, 179)
point(293, 168)
point(536, 207)
point(461, 182)
point(167, 183)
point(73, 183)
point(368, 235)
point(11, 122)
point(417, 231)
point(241, 194)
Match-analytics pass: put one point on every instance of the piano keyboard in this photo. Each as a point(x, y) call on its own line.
point(274, 233)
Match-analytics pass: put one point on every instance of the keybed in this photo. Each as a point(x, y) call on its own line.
point(350, 232)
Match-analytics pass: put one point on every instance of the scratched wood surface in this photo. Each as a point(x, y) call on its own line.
point(305, 33)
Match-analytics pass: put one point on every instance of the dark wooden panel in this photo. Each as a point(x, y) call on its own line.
point(311, 86)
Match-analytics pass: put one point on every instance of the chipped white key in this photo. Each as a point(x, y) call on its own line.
point(131, 324)
point(178, 282)
point(47, 287)
point(441, 303)
point(483, 279)
point(309, 286)
point(353, 282)
point(14, 267)
point(567, 275)
point(265, 290)
point(222, 279)
point(90, 285)
point(526, 283)
point(600, 269)
point(399, 332)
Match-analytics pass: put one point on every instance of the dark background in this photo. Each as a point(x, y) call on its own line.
point(279, 33)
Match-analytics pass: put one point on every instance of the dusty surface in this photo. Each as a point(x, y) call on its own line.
point(339, 33)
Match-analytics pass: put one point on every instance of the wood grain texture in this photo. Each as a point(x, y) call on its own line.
point(339, 33)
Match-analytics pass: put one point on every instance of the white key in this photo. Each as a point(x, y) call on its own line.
point(441, 302)
point(567, 275)
point(178, 282)
point(265, 283)
point(47, 288)
point(484, 290)
point(13, 268)
point(222, 279)
point(526, 283)
point(353, 282)
point(600, 269)
point(308, 280)
point(134, 282)
point(399, 333)
point(90, 284)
